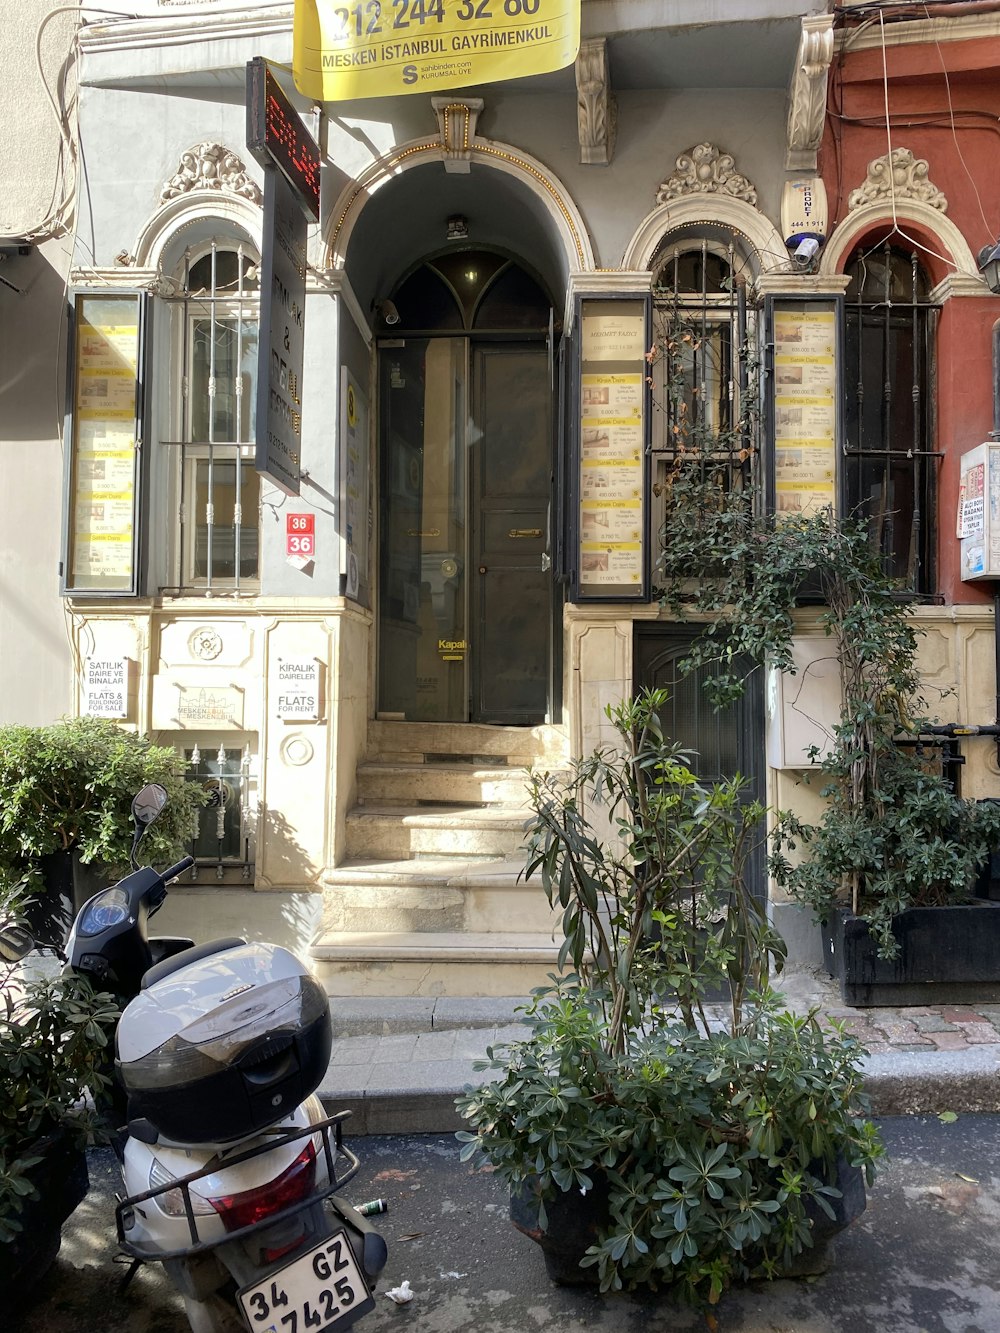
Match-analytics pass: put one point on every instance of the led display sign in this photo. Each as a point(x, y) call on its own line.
point(277, 137)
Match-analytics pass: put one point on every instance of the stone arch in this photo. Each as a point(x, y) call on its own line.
point(194, 217)
point(929, 221)
point(556, 202)
point(701, 210)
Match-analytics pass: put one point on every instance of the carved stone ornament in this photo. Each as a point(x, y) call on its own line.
point(807, 93)
point(457, 119)
point(595, 104)
point(705, 169)
point(211, 166)
point(909, 178)
point(205, 643)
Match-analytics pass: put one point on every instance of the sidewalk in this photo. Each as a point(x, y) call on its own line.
point(399, 1064)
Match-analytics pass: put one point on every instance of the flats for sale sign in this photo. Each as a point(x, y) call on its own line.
point(382, 48)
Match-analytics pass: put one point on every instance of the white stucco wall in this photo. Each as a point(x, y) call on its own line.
point(35, 662)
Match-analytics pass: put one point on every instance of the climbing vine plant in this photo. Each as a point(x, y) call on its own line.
point(893, 833)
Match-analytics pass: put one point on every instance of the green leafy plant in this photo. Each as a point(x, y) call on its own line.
point(893, 833)
point(54, 1036)
point(715, 1142)
point(70, 786)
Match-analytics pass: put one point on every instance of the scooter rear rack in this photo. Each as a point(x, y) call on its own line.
point(331, 1127)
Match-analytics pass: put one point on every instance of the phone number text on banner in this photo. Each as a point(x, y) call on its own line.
point(382, 48)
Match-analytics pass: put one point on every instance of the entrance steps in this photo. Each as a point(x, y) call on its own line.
point(429, 901)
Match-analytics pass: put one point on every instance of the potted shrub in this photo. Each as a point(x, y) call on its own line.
point(644, 1140)
point(54, 1035)
point(65, 800)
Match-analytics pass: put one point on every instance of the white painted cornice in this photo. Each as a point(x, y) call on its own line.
point(610, 282)
point(177, 26)
point(959, 284)
point(800, 284)
point(119, 278)
point(962, 28)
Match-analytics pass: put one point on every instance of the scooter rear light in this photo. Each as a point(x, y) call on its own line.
point(252, 1206)
point(171, 1202)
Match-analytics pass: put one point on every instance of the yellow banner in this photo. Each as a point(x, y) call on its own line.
point(383, 48)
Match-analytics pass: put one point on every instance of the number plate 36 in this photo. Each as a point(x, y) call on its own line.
point(323, 1288)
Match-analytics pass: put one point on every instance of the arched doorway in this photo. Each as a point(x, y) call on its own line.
point(465, 385)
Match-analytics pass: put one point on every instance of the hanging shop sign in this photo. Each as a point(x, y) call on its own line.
point(804, 407)
point(282, 335)
point(277, 137)
point(103, 455)
point(612, 556)
point(382, 48)
point(280, 142)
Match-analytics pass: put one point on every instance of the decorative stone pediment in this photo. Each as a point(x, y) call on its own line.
point(211, 166)
point(807, 93)
point(705, 169)
point(595, 104)
point(458, 118)
point(907, 178)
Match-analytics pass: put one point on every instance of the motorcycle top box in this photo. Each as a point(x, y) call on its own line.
point(222, 1041)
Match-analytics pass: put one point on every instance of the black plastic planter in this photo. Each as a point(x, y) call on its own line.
point(576, 1220)
point(947, 955)
point(62, 1181)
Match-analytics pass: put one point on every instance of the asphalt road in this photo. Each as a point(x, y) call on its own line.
point(925, 1257)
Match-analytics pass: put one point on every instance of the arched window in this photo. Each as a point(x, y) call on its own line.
point(702, 380)
point(888, 369)
point(211, 542)
point(476, 291)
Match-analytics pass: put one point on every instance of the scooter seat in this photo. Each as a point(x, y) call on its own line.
point(180, 960)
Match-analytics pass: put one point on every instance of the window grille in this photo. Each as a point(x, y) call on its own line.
point(890, 466)
point(703, 382)
point(224, 841)
point(215, 318)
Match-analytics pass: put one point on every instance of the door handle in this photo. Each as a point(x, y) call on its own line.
point(546, 561)
point(482, 569)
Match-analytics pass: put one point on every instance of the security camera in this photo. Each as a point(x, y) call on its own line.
point(388, 312)
point(806, 251)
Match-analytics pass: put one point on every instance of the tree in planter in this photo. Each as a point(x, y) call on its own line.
point(710, 1147)
point(69, 787)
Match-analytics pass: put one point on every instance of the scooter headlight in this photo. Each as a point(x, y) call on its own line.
point(109, 908)
point(171, 1202)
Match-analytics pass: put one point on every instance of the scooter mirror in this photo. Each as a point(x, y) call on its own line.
point(15, 943)
point(149, 804)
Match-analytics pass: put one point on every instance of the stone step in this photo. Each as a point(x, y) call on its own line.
point(397, 832)
point(381, 783)
point(434, 895)
point(519, 747)
point(456, 963)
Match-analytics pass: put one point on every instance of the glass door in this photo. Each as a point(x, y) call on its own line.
point(423, 613)
point(465, 617)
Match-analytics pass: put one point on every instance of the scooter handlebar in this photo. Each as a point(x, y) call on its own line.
point(185, 863)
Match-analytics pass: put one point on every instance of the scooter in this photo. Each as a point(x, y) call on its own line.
point(232, 1170)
